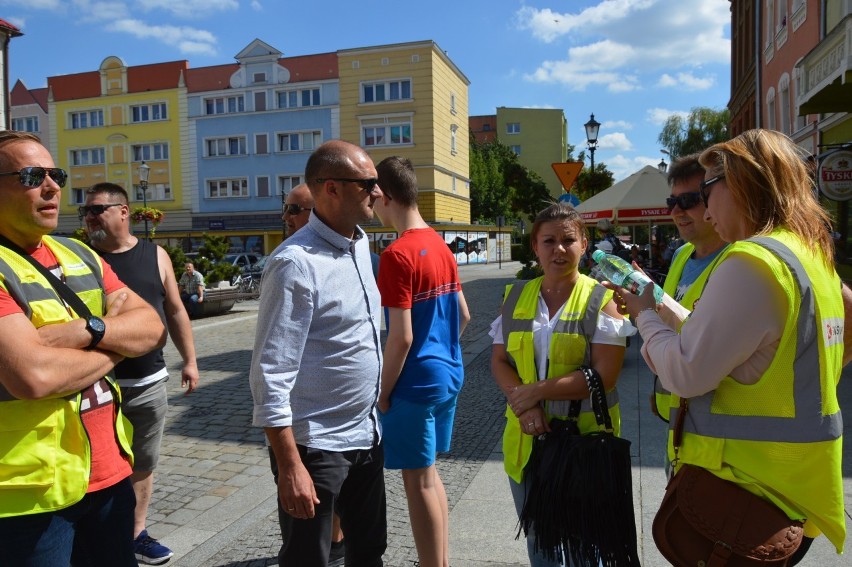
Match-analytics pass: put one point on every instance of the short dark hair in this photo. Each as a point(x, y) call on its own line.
point(330, 159)
point(11, 136)
point(398, 181)
point(559, 212)
point(111, 189)
point(684, 168)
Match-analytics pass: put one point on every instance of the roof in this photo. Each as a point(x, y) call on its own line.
point(302, 68)
point(10, 29)
point(140, 78)
point(21, 95)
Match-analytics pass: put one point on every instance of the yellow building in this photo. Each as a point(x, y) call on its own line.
point(105, 123)
point(410, 99)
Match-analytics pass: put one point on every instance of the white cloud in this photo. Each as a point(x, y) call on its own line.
point(658, 116)
point(34, 4)
point(256, 6)
point(686, 81)
point(187, 40)
point(189, 8)
point(613, 124)
point(631, 37)
point(623, 166)
point(616, 141)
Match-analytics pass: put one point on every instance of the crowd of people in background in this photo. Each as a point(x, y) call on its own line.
point(339, 405)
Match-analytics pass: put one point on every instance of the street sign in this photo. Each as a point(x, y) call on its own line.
point(567, 172)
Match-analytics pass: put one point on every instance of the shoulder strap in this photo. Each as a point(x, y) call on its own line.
point(63, 290)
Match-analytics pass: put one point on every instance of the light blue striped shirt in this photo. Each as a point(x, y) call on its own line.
point(317, 358)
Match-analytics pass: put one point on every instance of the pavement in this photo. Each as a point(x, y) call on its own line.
point(214, 499)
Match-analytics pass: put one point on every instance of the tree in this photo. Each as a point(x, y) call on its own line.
point(501, 186)
point(695, 133)
point(589, 183)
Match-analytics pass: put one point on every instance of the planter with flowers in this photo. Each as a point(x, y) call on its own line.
point(150, 214)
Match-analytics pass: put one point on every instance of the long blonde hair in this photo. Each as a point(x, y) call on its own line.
point(772, 184)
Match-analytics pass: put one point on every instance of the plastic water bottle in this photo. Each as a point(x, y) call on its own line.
point(620, 272)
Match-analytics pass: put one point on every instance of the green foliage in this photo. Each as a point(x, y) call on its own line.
point(526, 256)
point(589, 183)
point(698, 131)
point(208, 262)
point(501, 186)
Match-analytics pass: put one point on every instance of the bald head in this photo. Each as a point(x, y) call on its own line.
point(297, 208)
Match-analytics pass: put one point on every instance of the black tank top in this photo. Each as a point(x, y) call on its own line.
point(139, 270)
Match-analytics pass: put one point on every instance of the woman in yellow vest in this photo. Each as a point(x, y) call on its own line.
point(549, 328)
point(760, 356)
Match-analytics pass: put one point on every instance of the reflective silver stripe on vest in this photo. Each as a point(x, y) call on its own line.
point(808, 425)
point(588, 321)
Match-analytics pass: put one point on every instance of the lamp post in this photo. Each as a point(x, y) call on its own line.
point(144, 170)
point(592, 128)
point(662, 166)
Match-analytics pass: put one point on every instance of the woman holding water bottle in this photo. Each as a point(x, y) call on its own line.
point(758, 361)
point(549, 328)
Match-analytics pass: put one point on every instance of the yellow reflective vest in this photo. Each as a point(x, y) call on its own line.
point(663, 399)
point(45, 455)
point(781, 438)
point(569, 349)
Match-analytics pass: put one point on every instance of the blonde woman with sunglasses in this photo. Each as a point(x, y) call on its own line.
point(759, 357)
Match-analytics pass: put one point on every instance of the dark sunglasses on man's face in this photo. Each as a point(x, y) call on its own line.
point(96, 210)
point(34, 176)
point(685, 201)
point(294, 209)
point(365, 184)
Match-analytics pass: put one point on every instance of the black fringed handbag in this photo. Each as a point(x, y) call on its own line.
point(580, 502)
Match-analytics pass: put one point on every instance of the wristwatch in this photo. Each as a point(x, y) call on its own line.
point(97, 328)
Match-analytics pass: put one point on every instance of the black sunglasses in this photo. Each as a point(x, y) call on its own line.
point(294, 209)
point(704, 186)
point(34, 176)
point(685, 201)
point(366, 184)
point(96, 210)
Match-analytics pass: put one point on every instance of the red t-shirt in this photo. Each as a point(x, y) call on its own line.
point(97, 409)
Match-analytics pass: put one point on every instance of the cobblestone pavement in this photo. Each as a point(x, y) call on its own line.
point(214, 495)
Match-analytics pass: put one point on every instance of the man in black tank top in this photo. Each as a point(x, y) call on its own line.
point(146, 269)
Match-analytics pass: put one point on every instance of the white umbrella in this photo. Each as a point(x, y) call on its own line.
point(639, 198)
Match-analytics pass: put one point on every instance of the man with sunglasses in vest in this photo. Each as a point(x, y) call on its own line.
point(690, 263)
point(316, 367)
point(65, 455)
point(147, 269)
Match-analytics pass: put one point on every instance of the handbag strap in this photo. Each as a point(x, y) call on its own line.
point(61, 287)
point(597, 396)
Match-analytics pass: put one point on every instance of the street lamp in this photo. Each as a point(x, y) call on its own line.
point(662, 166)
point(144, 170)
point(592, 128)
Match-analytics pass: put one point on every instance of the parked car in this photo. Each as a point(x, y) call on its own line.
point(244, 260)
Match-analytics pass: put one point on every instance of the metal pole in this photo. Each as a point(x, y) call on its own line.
point(144, 185)
point(592, 153)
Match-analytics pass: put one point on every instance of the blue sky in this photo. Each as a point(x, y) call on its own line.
point(632, 63)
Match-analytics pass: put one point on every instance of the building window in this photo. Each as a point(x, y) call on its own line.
point(513, 127)
point(286, 183)
point(28, 124)
point(486, 127)
point(453, 129)
point(88, 119)
point(234, 146)
point(156, 192)
point(299, 141)
point(258, 78)
point(227, 188)
point(452, 103)
point(93, 156)
point(516, 149)
point(770, 109)
point(260, 101)
point(78, 196)
point(261, 144)
point(148, 152)
point(263, 186)
point(148, 112)
point(225, 104)
point(390, 90)
point(298, 98)
point(784, 108)
point(387, 135)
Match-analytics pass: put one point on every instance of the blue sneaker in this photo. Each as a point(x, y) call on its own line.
point(150, 551)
